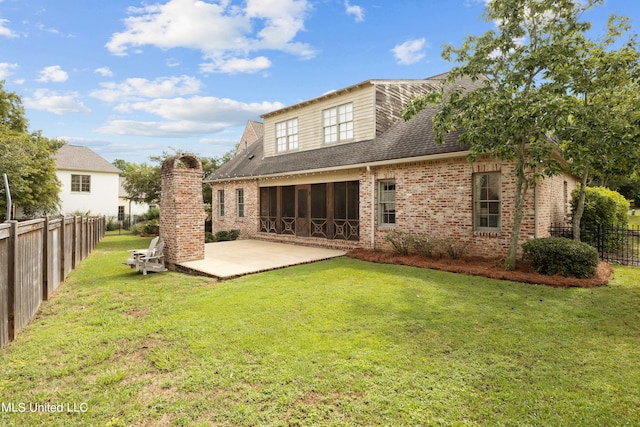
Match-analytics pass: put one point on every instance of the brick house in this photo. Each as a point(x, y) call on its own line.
point(344, 169)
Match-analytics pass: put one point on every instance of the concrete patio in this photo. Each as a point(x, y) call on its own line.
point(225, 260)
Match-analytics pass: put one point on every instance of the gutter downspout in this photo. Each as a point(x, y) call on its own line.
point(9, 204)
point(373, 208)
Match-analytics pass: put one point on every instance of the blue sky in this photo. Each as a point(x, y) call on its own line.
point(130, 79)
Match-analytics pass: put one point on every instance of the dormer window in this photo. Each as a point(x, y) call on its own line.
point(287, 135)
point(338, 123)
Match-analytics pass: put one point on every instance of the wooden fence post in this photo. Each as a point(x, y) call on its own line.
point(45, 259)
point(74, 238)
point(13, 267)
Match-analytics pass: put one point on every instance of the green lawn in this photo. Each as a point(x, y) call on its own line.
point(340, 342)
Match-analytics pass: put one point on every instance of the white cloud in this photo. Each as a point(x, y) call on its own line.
point(205, 109)
point(410, 52)
point(4, 31)
point(222, 32)
point(160, 129)
point(104, 71)
point(137, 88)
point(195, 116)
point(356, 11)
point(6, 69)
point(51, 101)
point(236, 65)
point(53, 73)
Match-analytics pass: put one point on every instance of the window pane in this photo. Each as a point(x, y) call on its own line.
point(387, 199)
point(487, 200)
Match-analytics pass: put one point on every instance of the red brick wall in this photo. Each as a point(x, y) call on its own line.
point(248, 225)
point(436, 198)
point(182, 213)
point(432, 198)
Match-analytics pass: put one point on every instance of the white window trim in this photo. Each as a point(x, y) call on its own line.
point(341, 122)
point(81, 183)
point(287, 131)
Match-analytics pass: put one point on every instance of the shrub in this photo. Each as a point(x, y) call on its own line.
point(400, 240)
point(152, 227)
point(224, 235)
point(424, 245)
point(602, 208)
point(557, 255)
point(152, 213)
point(112, 223)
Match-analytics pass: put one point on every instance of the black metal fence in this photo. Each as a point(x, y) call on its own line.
point(617, 245)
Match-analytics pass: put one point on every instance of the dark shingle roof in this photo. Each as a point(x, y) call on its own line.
point(404, 140)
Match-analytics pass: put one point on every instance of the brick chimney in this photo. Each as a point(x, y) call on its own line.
point(182, 213)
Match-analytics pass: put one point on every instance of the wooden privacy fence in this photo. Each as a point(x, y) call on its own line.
point(35, 258)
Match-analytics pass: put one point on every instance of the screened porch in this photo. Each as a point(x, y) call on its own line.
point(327, 210)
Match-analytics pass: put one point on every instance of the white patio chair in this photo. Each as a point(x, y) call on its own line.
point(152, 261)
point(136, 254)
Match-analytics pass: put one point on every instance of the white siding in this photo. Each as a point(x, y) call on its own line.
point(101, 200)
point(310, 126)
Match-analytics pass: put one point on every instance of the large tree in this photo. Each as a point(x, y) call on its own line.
point(28, 159)
point(513, 116)
point(601, 136)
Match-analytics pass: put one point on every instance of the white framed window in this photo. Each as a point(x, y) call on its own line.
point(338, 123)
point(240, 202)
point(287, 135)
point(486, 201)
point(387, 202)
point(81, 183)
point(221, 203)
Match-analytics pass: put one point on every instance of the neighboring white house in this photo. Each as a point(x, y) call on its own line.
point(89, 182)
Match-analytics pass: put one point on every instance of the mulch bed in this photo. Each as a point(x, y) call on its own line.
point(491, 268)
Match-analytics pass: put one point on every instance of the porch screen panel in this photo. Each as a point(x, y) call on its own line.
point(346, 210)
point(319, 210)
point(288, 220)
point(268, 209)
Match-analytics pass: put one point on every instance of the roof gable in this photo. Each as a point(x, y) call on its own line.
point(77, 158)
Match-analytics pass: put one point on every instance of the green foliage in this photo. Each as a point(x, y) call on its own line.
point(222, 236)
point(334, 343)
point(28, 159)
point(557, 255)
point(516, 107)
point(152, 213)
point(152, 227)
point(112, 223)
point(142, 182)
point(602, 207)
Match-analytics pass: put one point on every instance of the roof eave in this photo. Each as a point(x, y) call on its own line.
point(379, 163)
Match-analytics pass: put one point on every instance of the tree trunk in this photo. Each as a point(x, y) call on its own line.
point(522, 185)
point(577, 215)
